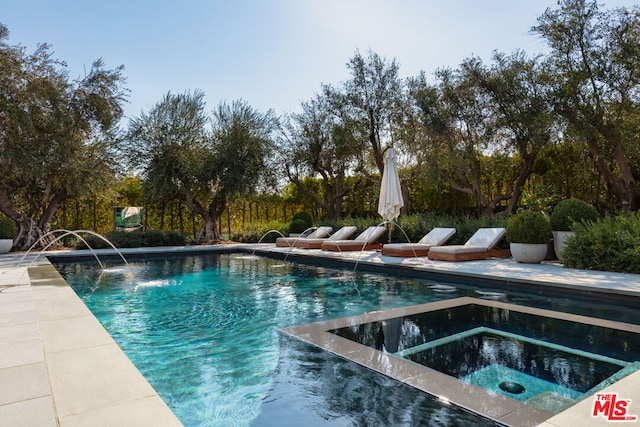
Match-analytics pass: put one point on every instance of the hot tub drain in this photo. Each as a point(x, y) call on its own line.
point(511, 387)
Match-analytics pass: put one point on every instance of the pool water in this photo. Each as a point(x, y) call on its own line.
point(203, 331)
point(517, 366)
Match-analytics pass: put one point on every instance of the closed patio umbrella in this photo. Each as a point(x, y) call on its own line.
point(390, 201)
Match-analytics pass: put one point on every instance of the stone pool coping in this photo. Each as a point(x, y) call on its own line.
point(59, 367)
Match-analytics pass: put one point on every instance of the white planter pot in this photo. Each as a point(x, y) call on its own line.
point(5, 245)
point(559, 242)
point(528, 252)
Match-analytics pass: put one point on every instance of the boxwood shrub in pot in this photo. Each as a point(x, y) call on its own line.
point(528, 233)
point(563, 217)
point(7, 234)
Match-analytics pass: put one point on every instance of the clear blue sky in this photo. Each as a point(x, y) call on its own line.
point(271, 53)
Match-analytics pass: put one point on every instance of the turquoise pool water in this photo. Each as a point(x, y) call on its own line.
point(203, 331)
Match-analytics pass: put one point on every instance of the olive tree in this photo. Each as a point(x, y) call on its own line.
point(375, 100)
point(485, 126)
point(595, 58)
point(205, 161)
point(56, 135)
point(320, 143)
point(519, 91)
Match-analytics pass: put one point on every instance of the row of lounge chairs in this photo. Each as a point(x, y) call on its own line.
point(481, 245)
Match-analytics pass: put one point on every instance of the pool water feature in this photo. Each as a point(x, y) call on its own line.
point(203, 330)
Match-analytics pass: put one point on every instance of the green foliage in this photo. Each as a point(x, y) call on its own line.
point(528, 227)
point(242, 144)
point(571, 211)
point(7, 228)
point(321, 142)
point(298, 226)
point(610, 244)
point(135, 239)
point(305, 217)
point(592, 53)
point(478, 117)
point(170, 141)
point(153, 238)
point(182, 159)
point(56, 134)
point(264, 232)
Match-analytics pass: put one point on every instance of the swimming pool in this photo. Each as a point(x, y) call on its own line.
point(203, 331)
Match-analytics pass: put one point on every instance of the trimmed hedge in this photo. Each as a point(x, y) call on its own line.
point(266, 232)
point(134, 239)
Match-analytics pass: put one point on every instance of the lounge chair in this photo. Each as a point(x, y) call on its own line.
point(366, 240)
point(318, 233)
point(436, 237)
point(343, 233)
point(478, 246)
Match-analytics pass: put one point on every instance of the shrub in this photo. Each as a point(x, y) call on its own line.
point(134, 239)
point(266, 232)
point(298, 226)
point(93, 242)
point(127, 239)
point(304, 216)
point(174, 238)
point(7, 228)
point(571, 211)
point(528, 227)
point(153, 238)
point(610, 244)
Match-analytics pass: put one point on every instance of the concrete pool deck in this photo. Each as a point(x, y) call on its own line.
point(59, 367)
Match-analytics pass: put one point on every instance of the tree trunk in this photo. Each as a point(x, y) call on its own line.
point(27, 234)
point(29, 230)
point(621, 184)
point(209, 232)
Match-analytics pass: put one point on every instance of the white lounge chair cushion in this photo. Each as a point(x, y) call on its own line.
point(458, 249)
point(482, 241)
point(367, 237)
point(437, 236)
point(407, 246)
point(320, 232)
point(343, 232)
point(486, 237)
point(371, 234)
